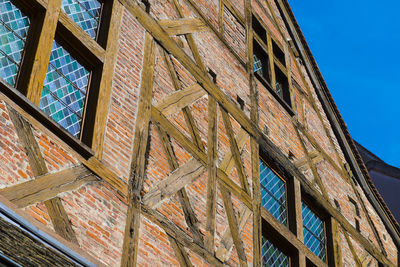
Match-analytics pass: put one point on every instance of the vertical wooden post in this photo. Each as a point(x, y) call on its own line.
point(106, 79)
point(140, 146)
point(254, 146)
point(337, 252)
point(298, 209)
point(42, 54)
point(271, 61)
point(212, 172)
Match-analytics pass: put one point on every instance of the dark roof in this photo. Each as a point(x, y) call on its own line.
point(374, 163)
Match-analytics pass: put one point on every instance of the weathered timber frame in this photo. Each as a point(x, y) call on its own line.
point(158, 35)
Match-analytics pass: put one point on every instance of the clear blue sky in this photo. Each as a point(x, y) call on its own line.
point(357, 47)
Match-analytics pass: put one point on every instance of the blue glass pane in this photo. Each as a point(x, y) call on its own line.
point(273, 193)
point(257, 65)
point(272, 256)
point(86, 13)
point(314, 232)
point(64, 92)
point(13, 31)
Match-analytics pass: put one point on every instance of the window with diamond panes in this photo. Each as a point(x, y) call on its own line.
point(314, 232)
point(14, 27)
point(273, 193)
point(65, 89)
point(272, 256)
point(86, 13)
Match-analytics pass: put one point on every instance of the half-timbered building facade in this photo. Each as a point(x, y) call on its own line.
point(176, 132)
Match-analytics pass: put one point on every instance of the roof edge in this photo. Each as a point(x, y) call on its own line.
point(340, 127)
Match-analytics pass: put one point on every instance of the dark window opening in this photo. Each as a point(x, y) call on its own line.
point(213, 75)
point(240, 102)
point(278, 53)
point(258, 28)
point(282, 85)
point(261, 61)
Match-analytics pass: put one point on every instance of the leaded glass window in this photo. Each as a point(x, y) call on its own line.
point(273, 193)
point(314, 232)
point(64, 91)
point(86, 13)
point(257, 64)
point(14, 27)
point(272, 256)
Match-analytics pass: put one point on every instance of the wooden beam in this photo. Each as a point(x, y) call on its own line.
point(353, 251)
point(59, 218)
point(190, 39)
point(235, 151)
point(54, 206)
point(227, 162)
point(106, 79)
point(290, 237)
point(179, 235)
point(190, 216)
point(180, 99)
point(194, 132)
point(233, 225)
point(42, 54)
point(226, 244)
point(180, 253)
point(177, 180)
point(82, 36)
point(138, 164)
point(183, 26)
point(235, 12)
point(337, 251)
point(212, 173)
point(47, 186)
point(221, 16)
point(197, 154)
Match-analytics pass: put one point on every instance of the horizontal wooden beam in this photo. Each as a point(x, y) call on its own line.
point(183, 26)
point(177, 180)
point(48, 186)
point(82, 36)
point(180, 99)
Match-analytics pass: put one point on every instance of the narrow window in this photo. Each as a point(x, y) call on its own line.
point(86, 13)
point(314, 232)
point(258, 28)
point(261, 61)
point(14, 27)
point(282, 85)
point(278, 53)
point(272, 256)
point(273, 193)
point(65, 89)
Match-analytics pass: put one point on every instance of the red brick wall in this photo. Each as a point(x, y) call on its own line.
point(97, 212)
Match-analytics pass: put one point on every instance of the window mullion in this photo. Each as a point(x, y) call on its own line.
point(271, 62)
point(43, 51)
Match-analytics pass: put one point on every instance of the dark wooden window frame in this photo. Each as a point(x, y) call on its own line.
point(324, 216)
point(275, 63)
point(80, 50)
point(290, 200)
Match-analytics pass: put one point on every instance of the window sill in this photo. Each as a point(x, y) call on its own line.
point(20, 100)
point(276, 96)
